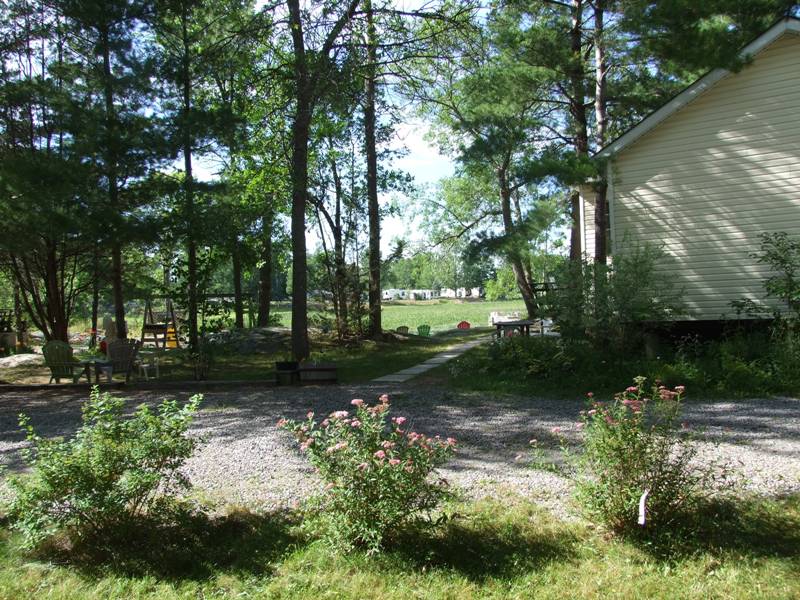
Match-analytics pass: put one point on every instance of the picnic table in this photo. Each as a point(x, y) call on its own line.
point(505, 328)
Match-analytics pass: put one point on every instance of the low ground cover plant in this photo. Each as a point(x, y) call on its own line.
point(638, 470)
point(379, 474)
point(743, 362)
point(114, 470)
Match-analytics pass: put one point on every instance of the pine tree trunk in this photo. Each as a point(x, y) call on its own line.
point(339, 266)
point(95, 295)
point(301, 130)
point(238, 304)
point(514, 258)
point(340, 281)
point(373, 208)
point(579, 118)
point(188, 186)
point(18, 321)
point(575, 242)
point(300, 134)
point(59, 323)
point(265, 275)
point(113, 188)
point(601, 116)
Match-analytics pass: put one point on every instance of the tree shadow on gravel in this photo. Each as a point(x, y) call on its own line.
point(484, 548)
point(753, 528)
point(193, 546)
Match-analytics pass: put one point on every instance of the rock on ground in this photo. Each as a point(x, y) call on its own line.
point(21, 360)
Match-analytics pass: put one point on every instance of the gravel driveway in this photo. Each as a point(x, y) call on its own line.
point(246, 460)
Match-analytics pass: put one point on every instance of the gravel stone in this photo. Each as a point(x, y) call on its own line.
point(246, 460)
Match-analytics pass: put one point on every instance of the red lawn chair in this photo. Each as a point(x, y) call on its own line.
point(463, 325)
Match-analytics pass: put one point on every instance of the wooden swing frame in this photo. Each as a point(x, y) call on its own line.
point(164, 334)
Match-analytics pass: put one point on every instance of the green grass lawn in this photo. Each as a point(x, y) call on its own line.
point(441, 315)
point(501, 549)
point(361, 362)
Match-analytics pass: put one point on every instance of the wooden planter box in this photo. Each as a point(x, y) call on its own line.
point(286, 373)
point(312, 373)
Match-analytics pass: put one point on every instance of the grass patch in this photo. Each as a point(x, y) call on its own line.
point(357, 363)
point(441, 315)
point(493, 550)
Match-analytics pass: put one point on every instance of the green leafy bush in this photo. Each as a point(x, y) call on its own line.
point(378, 473)
point(112, 471)
point(782, 254)
point(611, 305)
point(784, 362)
point(635, 445)
point(503, 286)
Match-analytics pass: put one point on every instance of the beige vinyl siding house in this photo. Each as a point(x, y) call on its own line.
point(709, 172)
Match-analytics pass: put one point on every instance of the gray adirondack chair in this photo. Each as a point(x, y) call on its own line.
point(58, 358)
point(122, 356)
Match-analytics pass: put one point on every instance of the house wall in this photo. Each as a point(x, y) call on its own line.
point(587, 196)
point(713, 176)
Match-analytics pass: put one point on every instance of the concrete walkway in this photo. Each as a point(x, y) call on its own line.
point(431, 363)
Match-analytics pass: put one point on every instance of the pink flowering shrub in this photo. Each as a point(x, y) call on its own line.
point(634, 445)
point(378, 472)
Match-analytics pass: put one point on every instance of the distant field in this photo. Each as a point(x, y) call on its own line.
point(439, 314)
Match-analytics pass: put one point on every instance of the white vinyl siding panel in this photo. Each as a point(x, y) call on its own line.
point(713, 176)
point(587, 207)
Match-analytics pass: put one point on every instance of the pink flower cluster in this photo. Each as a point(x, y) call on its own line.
point(628, 405)
point(667, 394)
point(634, 404)
point(360, 442)
point(337, 447)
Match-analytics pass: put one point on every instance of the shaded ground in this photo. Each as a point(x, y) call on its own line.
point(246, 460)
point(251, 355)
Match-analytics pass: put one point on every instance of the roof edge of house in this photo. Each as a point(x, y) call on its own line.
point(788, 24)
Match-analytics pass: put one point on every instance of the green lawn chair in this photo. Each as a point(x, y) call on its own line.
point(58, 358)
point(122, 355)
point(424, 330)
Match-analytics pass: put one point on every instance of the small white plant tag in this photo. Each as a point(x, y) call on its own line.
point(642, 507)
